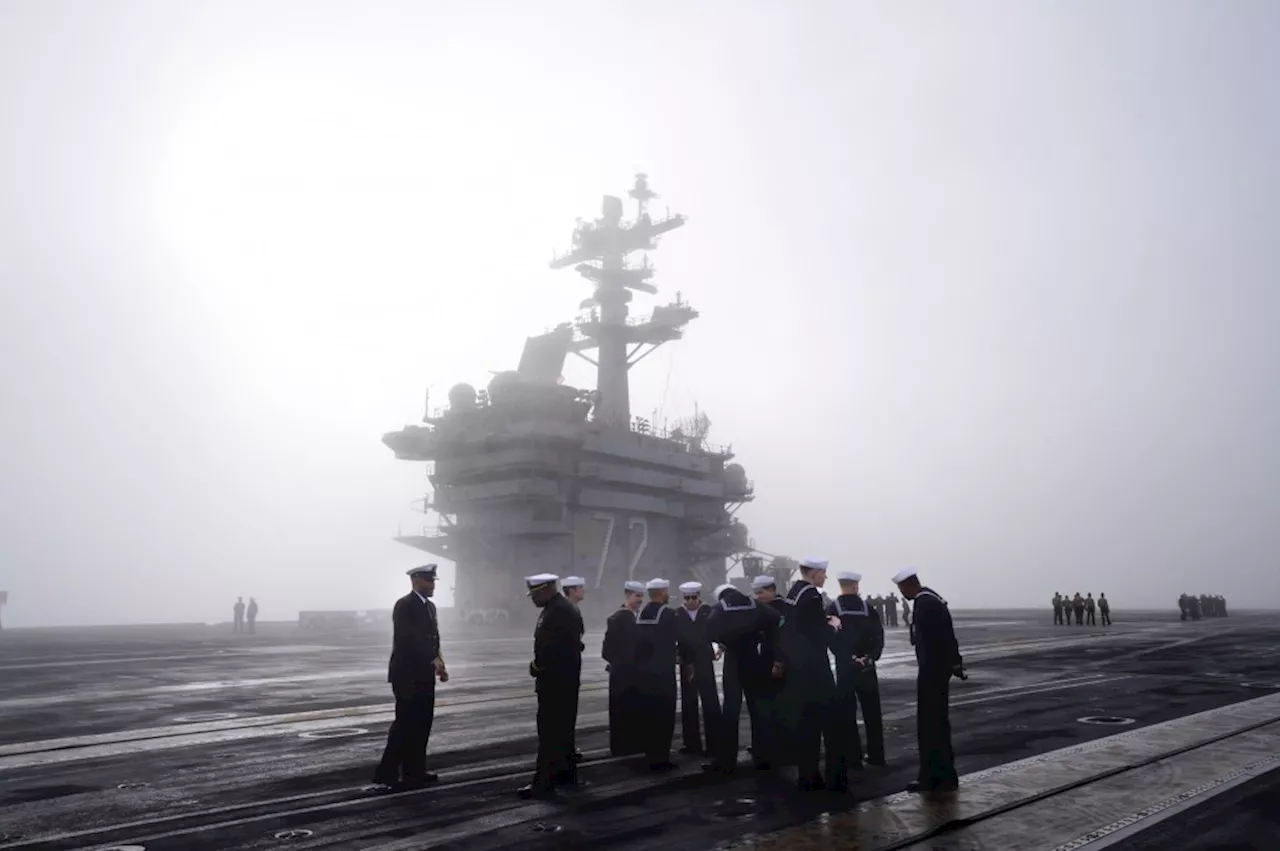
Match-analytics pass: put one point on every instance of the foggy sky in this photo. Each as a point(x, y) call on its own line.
point(986, 288)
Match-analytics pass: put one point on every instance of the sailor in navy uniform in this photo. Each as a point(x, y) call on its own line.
point(625, 721)
point(749, 632)
point(415, 665)
point(656, 655)
point(938, 659)
point(856, 646)
point(557, 670)
point(575, 591)
point(700, 687)
point(809, 695)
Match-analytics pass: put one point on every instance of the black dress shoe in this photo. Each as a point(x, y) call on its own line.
point(578, 757)
point(813, 784)
point(915, 786)
point(662, 766)
point(689, 751)
point(715, 767)
point(419, 780)
point(878, 763)
point(532, 791)
point(761, 765)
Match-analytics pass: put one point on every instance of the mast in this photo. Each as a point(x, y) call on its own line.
point(600, 253)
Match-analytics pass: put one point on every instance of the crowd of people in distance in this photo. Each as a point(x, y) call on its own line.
point(1204, 606)
point(1084, 609)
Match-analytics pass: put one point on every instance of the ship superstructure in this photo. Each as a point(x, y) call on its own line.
point(529, 475)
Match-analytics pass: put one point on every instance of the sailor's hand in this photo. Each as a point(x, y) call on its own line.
point(533, 670)
point(862, 661)
point(834, 622)
point(688, 673)
point(777, 670)
point(719, 652)
point(958, 671)
point(441, 673)
point(608, 669)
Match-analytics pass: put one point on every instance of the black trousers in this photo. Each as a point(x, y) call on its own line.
point(933, 729)
point(557, 718)
point(1089, 619)
point(626, 724)
point(760, 709)
point(656, 705)
point(701, 691)
point(1057, 616)
point(860, 689)
point(817, 727)
point(1106, 617)
point(405, 756)
point(1079, 617)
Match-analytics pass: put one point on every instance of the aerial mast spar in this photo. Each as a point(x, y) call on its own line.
point(600, 255)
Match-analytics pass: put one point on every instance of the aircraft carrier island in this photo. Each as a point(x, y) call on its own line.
point(531, 476)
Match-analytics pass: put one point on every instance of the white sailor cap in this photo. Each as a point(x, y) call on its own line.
point(720, 589)
point(848, 576)
point(572, 582)
point(903, 575)
point(637, 587)
point(541, 580)
point(814, 563)
point(691, 588)
point(657, 585)
point(764, 580)
point(427, 570)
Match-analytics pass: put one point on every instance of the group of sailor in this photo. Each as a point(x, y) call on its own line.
point(1082, 607)
point(777, 652)
point(1207, 606)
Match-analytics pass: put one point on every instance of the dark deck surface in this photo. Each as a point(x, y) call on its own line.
point(193, 738)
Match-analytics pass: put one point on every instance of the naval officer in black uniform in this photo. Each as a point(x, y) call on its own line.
point(415, 665)
point(557, 670)
point(698, 686)
point(856, 645)
point(938, 659)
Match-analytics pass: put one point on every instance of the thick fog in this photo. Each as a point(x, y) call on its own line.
point(987, 289)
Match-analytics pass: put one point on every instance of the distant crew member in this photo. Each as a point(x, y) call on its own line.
point(625, 720)
point(237, 612)
point(251, 614)
point(698, 685)
point(415, 665)
point(809, 695)
point(749, 632)
point(1057, 609)
point(938, 660)
point(1089, 605)
point(557, 672)
point(1182, 607)
point(891, 608)
point(1077, 606)
point(656, 654)
point(1104, 609)
point(856, 646)
point(1222, 606)
point(574, 589)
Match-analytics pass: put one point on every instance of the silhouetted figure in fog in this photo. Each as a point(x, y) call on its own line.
point(1104, 609)
point(1057, 609)
point(1077, 606)
point(252, 614)
point(1089, 606)
point(237, 612)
